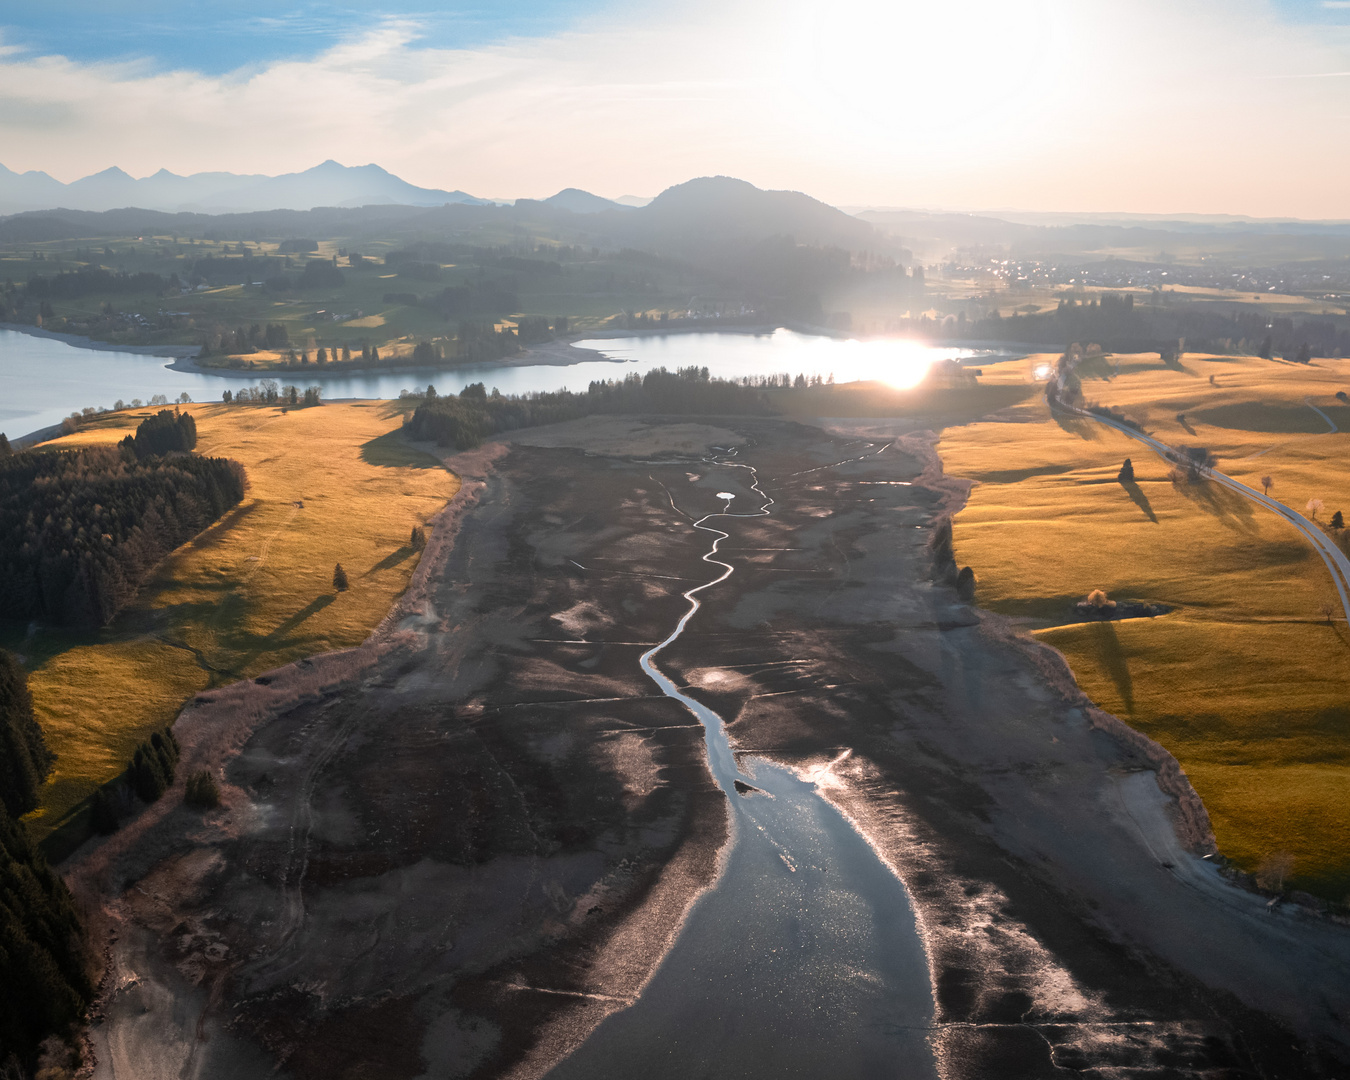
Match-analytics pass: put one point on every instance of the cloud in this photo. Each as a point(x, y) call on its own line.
point(1096, 104)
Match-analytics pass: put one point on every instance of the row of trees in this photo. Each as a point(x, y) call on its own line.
point(45, 982)
point(243, 341)
point(79, 530)
point(465, 421)
point(269, 392)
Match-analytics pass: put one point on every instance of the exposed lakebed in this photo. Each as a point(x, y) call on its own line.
point(804, 959)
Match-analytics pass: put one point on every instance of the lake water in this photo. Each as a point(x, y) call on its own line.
point(43, 380)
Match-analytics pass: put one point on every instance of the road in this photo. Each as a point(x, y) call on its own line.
point(1338, 565)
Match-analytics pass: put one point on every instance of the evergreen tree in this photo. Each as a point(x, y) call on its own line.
point(44, 981)
point(1337, 520)
point(1126, 474)
point(25, 760)
point(418, 540)
point(340, 582)
point(202, 791)
point(146, 775)
point(5, 450)
point(965, 584)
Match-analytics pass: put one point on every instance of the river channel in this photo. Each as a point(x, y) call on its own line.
point(804, 959)
point(43, 380)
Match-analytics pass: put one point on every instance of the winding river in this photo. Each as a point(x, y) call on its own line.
point(803, 960)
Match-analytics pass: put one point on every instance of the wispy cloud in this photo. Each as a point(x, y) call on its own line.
point(1108, 104)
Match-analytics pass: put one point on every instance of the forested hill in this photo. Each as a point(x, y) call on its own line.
point(80, 529)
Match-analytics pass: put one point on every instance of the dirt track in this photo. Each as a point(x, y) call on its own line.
point(455, 850)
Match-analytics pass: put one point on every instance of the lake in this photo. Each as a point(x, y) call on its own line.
point(43, 380)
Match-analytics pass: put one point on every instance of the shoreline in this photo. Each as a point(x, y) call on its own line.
point(548, 354)
point(80, 341)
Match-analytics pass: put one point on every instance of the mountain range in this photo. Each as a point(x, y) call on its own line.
point(701, 218)
point(329, 184)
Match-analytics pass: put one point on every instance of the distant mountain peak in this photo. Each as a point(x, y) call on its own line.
point(581, 202)
point(329, 183)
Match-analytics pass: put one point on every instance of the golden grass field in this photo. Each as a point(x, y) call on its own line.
point(1246, 680)
point(252, 592)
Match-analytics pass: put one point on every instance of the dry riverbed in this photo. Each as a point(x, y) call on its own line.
point(454, 850)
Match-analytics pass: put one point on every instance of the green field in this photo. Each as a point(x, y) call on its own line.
point(1245, 680)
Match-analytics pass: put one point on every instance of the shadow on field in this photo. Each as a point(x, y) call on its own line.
point(1076, 426)
point(1137, 496)
point(1228, 506)
point(291, 622)
point(1013, 476)
point(1112, 657)
point(391, 451)
point(390, 560)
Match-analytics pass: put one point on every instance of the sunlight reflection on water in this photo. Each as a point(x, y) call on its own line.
point(896, 362)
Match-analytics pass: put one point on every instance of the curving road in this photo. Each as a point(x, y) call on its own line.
point(1336, 561)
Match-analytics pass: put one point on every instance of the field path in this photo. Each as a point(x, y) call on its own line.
point(1336, 561)
point(1330, 422)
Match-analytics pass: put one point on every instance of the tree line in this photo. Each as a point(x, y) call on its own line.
point(45, 982)
point(80, 529)
point(467, 420)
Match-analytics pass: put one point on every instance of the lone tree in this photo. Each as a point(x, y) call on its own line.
point(1126, 474)
point(965, 584)
point(418, 540)
point(1266, 481)
point(201, 790)
point(5, 449)
point(1337, 520)
point(1313, 506)
point(340, 582)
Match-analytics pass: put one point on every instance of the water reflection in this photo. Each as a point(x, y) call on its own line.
point(45, 379)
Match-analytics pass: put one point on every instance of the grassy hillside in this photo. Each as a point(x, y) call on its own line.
point(1244, 681)
point(329, 484)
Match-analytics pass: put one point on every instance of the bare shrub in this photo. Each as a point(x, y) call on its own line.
point(1314, 505)
point(1274, 870)
point(1098, 599)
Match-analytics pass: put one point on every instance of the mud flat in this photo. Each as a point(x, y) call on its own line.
point(459, 848)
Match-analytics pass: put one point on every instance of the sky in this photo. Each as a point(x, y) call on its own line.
point(1144, 106)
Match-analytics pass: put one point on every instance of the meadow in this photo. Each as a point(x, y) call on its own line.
point(329, 484)
point(1244, 680)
